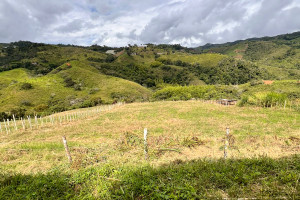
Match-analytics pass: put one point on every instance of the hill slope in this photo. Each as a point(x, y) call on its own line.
point(279, 55)
point(77, 85)
point(37, 78)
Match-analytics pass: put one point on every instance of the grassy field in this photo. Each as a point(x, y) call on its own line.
point(186, 142)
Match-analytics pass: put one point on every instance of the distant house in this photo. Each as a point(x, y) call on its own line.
point(111, 52)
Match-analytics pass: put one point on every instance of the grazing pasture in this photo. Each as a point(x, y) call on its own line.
point(185, 143)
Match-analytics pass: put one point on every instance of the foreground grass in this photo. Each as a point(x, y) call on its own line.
point(241, 178)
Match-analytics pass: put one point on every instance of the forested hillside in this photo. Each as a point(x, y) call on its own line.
point(279, 55)
point(42, 78)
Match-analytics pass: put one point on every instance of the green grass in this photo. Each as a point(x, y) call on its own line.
point(235, 178)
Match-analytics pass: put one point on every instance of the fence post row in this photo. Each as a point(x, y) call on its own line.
point(40, 121)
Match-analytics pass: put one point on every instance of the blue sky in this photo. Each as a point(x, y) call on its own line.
point(121, 22)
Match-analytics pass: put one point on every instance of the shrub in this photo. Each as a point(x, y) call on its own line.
point(272, 98)
point(26, 86)
point(93, 90)
point(155, 64)
point(77, 87)
point(18, 112)
point(122, 96)
point(3, 116)
point(243, 101)
point(256, 82)
point(26, 103)
point(198, 92)
point(41, 108)
point(69, 82)
point(110, 58)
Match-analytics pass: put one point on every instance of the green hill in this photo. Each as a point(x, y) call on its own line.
point(41, 78)
point(279, 55)
point(67, 87)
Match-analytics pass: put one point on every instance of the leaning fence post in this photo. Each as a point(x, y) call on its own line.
point(145, 144)
point(226, 143)
point(67, 149)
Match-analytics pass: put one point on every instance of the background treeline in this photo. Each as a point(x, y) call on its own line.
point(254, 93)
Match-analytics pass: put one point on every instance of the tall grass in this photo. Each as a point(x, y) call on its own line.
point(262, 178)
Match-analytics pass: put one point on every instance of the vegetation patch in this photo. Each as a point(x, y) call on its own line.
point(235, 178)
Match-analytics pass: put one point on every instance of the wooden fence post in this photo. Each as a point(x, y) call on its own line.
point(41, 121)
point(67, 149)
point(36, 121)
point(226, 143)
point(8, 126)
point(145, 143)
point(23, 124)
point(15, 122)
point(29, 120)
point(5, 127)
point(284, 104)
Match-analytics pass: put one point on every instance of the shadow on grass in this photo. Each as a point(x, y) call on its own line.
point(53, 185)
point(198, 179)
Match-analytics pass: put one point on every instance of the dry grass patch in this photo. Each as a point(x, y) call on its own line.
point(177, 130)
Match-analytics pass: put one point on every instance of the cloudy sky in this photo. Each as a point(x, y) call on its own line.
point(121, 22)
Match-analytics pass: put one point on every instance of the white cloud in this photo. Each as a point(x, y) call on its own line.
point(120, 22)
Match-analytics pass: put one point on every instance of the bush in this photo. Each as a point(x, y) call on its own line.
point(256, 82)
point(93, 90)
point(155, 64)
point(3, 116)
point(26, 103)
point(197, 92)
point(272, 98)
point(41, 108)
point(244, 100)
point(110, 58)
point(26, 86)
point(69, 82)
point(122, 97)
point(18, 112)
point(77, 87)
